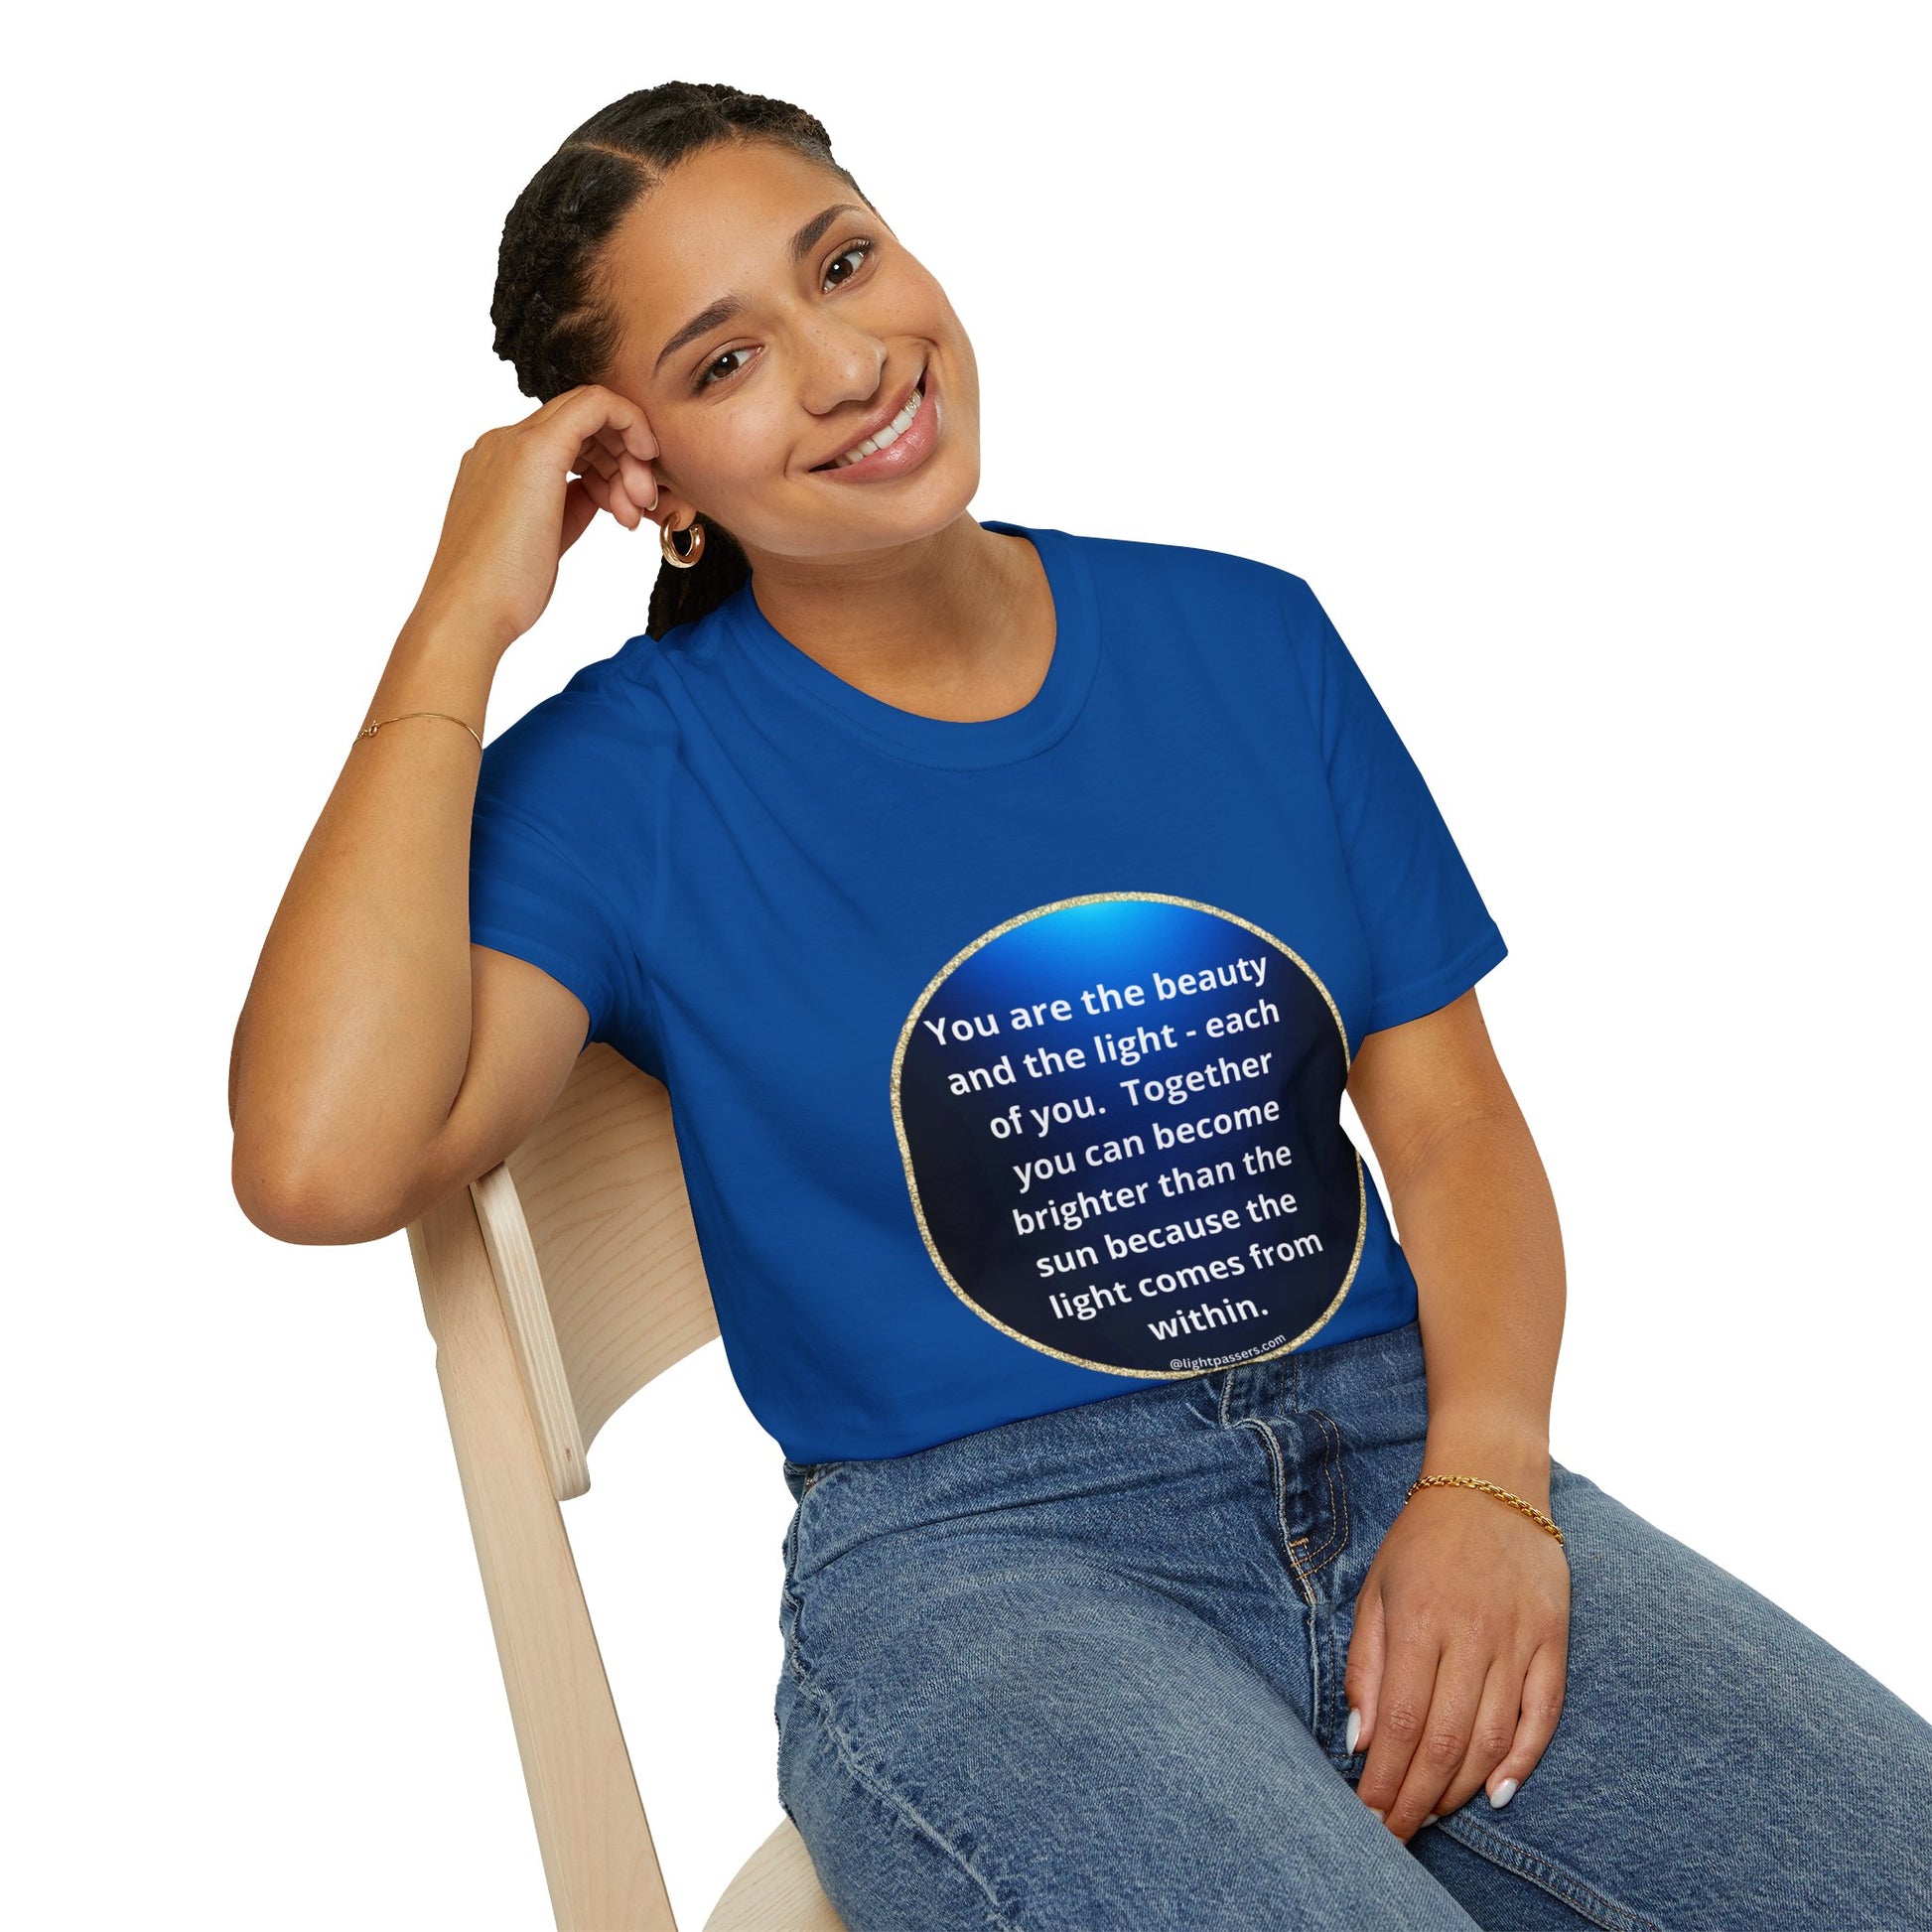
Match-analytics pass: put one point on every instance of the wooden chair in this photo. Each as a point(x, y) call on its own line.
point(556, 1286)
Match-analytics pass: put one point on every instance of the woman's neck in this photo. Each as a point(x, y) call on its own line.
point(959, 624)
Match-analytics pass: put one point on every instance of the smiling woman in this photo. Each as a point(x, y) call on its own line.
point(742, 341)
point(1173, 1546)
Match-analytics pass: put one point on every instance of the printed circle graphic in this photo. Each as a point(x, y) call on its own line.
point(1120, 1118)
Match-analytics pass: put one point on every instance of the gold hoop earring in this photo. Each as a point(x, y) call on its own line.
point(667, 542)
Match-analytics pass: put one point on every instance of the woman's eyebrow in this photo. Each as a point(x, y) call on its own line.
point(728, 304)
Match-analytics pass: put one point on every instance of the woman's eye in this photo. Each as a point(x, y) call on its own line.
point(860, 248)
point(706, 375)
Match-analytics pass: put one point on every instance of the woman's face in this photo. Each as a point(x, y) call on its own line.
point(747, 405)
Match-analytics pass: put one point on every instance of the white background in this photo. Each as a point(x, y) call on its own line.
point(1575, 360)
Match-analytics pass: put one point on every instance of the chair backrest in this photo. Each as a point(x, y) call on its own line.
point(589, 1232)
point(556, 1286)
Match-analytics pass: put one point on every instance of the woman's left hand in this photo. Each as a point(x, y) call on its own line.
point(1459, 1654)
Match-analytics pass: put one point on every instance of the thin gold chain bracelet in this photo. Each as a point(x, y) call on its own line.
point(370, 731)
point(1476, 1483)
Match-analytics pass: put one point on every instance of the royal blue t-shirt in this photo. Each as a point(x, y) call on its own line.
point(1005, 1058)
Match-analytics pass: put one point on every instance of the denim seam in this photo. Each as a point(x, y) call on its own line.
point(1560, 1883)
point(1321, 1659)
point(1306, 1566)
point(1279, 1485)
point(1337, 1497)
point(792, 1601)
point(878, 1786)
point(1327, 1712)
point(1278, 1463)
point(793, 1663)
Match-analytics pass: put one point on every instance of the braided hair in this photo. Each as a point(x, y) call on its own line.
point(553, 319)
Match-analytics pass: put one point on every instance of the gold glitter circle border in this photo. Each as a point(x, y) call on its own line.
point(912, 1180)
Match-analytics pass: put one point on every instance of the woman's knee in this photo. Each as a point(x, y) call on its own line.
point(1750, 1748)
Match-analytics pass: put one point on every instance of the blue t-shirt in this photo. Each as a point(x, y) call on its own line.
point(1005, 1058)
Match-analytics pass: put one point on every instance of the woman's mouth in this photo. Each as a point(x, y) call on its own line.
point(901, 445)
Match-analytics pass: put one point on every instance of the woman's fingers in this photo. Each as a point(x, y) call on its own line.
point(638, 483)
point(599, 410)
point(1493, 1733)
point(1501, 1721)
point(628, 420)
point(594, 456)
point(1393, 1727)
point(1542, 1706)
point(1361, 1679)
point(626, 492)
point(626, 438)
point(613, 443)
point(607, 452)
point(1428, 1729)
point(633, 493)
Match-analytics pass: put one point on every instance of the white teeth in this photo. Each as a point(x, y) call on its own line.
point(887, 436)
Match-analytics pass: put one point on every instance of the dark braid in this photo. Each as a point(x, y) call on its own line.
point(551, 312)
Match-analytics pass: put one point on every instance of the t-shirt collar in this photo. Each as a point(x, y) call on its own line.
point(1040, 723)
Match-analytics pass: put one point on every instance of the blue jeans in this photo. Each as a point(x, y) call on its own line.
point(1085, 1671)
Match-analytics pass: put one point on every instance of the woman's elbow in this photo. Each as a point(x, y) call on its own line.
point(308, 1205)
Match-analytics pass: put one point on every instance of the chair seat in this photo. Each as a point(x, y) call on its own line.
point(776, 1891)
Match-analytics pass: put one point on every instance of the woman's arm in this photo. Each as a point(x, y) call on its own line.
point(382, 1059)
point(1475, 1216)
point(1459, 1649)
point(357, 1034)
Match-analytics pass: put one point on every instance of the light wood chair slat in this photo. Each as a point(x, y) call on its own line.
point(557, 1286)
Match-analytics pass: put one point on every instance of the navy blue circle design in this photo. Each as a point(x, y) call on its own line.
point(1120, 1121)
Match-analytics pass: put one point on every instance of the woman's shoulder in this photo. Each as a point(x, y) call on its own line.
point(593, 727)
point(1197, 568)
point(1230, 603)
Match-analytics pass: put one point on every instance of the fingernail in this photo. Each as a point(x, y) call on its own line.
point(1502, 1794)
point(1355, 1731)
point(1378, 1816)
point(1432, 1817)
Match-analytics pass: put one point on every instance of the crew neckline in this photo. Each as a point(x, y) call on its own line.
point(954, 741)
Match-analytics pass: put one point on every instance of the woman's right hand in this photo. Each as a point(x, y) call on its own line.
point(523, 495)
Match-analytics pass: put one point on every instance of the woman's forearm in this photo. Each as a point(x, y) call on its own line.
point(1477, 1220)
point(356, 1032)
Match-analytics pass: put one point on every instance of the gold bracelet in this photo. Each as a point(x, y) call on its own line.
point(370, 731)
point(1476, 1483)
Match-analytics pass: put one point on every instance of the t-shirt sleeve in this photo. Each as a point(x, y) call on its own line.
point(1431, 938)
point(531, 893)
